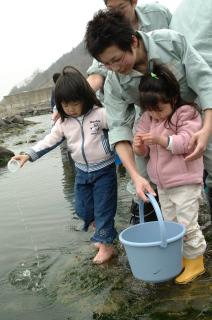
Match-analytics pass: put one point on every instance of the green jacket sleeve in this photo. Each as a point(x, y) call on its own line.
point(197, 71)
point(97, 68)
point(120, 114)
point(193, 20)
point(153, 16)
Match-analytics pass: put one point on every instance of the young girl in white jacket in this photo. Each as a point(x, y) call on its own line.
point(83, 124)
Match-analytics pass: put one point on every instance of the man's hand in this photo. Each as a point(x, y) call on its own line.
point(124, 150)
point(142, 186)
point(198, 144)
point(55, 116)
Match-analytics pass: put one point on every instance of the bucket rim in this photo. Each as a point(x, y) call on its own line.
point(151, 244)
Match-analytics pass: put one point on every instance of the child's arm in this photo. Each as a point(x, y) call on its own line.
point(48, 143)
point(149, 138)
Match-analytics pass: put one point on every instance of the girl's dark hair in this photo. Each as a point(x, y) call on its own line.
point(55, 76)
point(73, 87)
point(160, 85)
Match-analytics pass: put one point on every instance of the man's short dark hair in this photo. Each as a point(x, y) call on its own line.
point(108, 28)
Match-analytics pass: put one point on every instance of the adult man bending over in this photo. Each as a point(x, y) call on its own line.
point(146, 17)
point(128, 54)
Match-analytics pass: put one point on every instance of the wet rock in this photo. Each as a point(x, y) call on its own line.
point(13, 125)
point(18, 119)
point(14, 119)
point(3, 123)
point(29, 111)
point(110, 292)
point(208, 235)
point(5, 155)
point(35, 111)
point(7, 120)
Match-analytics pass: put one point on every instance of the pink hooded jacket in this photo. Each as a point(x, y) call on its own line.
point(168, 168)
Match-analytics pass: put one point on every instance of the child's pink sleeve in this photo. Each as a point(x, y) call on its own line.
point(143, 124)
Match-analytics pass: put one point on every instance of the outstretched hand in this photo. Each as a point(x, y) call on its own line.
point(22, 158)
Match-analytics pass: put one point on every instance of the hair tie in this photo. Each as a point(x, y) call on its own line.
point(153, 75)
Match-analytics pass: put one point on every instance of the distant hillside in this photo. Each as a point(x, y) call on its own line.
point(78, 57)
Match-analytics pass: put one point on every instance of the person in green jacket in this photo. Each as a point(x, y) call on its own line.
point(193, 20)
point(146, 17)
point(128, 54)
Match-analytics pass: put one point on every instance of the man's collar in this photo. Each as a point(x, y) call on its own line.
point(149, 45)
point(125, 78)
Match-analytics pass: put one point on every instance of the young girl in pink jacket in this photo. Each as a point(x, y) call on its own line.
point(83, 124)
point(163, 134)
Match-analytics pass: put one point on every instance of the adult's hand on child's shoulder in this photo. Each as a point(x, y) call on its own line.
point(197, 145)
point(22, 158)
point(55, 116)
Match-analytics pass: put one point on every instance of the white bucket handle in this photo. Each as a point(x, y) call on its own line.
point(159, 216)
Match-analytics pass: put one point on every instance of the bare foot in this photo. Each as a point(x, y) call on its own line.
point(93, 224)
point(106, 252)
point(96, 244)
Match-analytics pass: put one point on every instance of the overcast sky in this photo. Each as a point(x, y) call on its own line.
point(35, 33)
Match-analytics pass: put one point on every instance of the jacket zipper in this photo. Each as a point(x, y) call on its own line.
point(83, 141)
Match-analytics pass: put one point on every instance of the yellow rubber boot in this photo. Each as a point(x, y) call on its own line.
point(193, 269)
point(183, 262)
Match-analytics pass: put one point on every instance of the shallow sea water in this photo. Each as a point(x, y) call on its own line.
point(46, 269)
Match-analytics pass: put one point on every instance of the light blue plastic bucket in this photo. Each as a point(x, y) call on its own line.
point(154, 249)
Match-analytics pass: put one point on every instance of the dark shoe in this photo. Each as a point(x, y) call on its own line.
point(134, 210)
point(149, 212)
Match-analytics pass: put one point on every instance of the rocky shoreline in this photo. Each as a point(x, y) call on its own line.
point(11, 120)
point(14, 124)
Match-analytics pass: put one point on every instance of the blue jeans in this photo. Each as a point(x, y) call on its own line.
point(96, 200)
